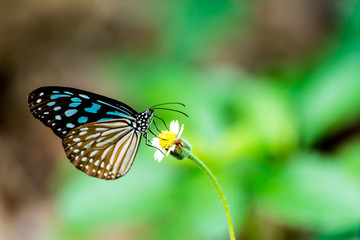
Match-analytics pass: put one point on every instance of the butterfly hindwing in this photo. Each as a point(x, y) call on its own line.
point(104, 149)
point(63, 109)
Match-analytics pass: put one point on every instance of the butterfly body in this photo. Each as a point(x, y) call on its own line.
point(100, 135)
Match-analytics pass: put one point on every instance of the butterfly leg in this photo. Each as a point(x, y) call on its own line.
point(151, 130)
point(150, 145)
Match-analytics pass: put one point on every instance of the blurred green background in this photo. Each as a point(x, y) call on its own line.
point(272, 88)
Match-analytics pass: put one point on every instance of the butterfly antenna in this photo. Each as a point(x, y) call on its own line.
point(156, 127)
point(169, 109)
point(162, 121)
point(179, 103)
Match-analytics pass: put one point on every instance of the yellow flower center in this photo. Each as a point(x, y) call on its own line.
point(167, 139)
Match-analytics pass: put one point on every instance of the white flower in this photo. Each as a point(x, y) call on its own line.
point(166, 140)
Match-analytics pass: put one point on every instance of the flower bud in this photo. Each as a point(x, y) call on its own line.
point(182, 149)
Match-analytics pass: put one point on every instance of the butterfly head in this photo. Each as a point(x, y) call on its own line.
point(149, 113)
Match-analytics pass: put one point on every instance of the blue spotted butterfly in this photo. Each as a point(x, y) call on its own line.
point(100, 135)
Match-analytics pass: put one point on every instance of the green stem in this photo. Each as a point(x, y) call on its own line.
point(198, 162)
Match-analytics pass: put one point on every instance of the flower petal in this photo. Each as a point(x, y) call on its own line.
point(155, 143)
point(174, 127)
point(158, 155)
point(181, 130)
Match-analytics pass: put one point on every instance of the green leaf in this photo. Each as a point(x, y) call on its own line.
point(314, 193)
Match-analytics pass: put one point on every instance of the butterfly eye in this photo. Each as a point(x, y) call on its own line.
point(149, 112)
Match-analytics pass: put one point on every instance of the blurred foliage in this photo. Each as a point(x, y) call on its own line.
point(283, 142)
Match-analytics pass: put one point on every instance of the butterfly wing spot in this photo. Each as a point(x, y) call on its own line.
point(84, 96)
point(70, 112)
point(89, 145)
point(109, 140)
point(106, 152)
point(58, 96)
point(109, 132)
point(76, 104)
point(93, 153)
point(76, 100)
point(82, 119)
point(82, 133)
point(92, 136)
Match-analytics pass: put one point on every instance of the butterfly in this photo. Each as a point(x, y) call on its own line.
point(100, 135)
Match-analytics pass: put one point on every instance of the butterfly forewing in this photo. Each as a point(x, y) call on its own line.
point(104, 149)
point(63, 109)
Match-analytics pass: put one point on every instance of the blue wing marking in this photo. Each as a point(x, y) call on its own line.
point(58, 96)
point(82, 119)
point(70, 112)
point(115, 113)
point(75, 104)
point(76, 99)
point(94, 108)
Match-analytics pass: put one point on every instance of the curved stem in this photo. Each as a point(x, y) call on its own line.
point(198, 162)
